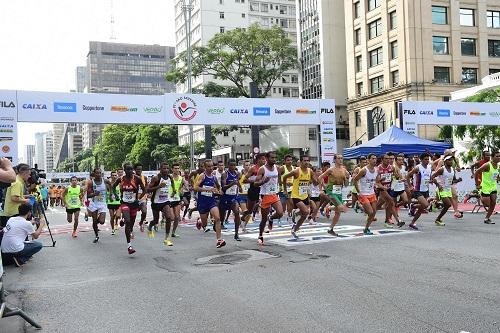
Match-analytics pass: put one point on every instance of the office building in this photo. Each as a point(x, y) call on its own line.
point(210, 17)
point(414, 50)
point(67, 141)
point(322, 57)
point(44, 147)
point(81, 78)
point(29, 155)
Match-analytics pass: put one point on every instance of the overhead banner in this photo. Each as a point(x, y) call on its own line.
point(448, 113)
point(8, 125)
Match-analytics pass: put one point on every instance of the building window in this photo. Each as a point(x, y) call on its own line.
point(442, 74)
point(375, 28)
point(469, 75)
point(394, 49)
point(254, 6)
point(439, 15)
point(357, 36)
point(493, 19)
point(263, 7)
point(221, 30)
point(376, 57)
point(357, 118)
point(357, 9)
point(395, 78)
point(243, 15)
point(342, 133)
point(467, 17)
point(372, 4)
point(359, 88)
point(440, 44)
point(312, 133)
point(393, 20)
point(283, 10)
point(493, 48)
point(359, 64)
point(468, 46)
point(494, 70)
point(377, 84)
point(221, 15)
point(379, 121)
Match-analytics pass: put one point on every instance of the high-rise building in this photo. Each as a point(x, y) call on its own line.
point(322, 57)
point(120, 68)
point(44, 147)
point(210, 17)
point(81, 78)
point(414, 50)
point(65, 143)
point(29, 155)
point(49, 149)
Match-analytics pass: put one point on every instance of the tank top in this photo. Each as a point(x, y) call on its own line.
point(244, 186)
point(113, 198)
point(129, 190)
point(73, 197)
point(271, 186)
point(289, 181)
point(143, 179)
point(447, 179)
point(386, 175)
point(301, 184)
point(208, 183)
point(101, 188)
point(367, 182)
point(177, 186)
point(233, 190)
point(489, 180)
point(218, 175)
point(163, 193)
point(422, 178)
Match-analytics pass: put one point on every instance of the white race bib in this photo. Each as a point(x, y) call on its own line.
point(128, 196)
point(73, 201)
point(233, 190)
point(399, 186)
point(207, 194)
point(315, 192)
point(337, 189)
point(245, 187)
point(303, 190)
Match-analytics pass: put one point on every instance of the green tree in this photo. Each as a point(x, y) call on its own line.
point(74, 164)
point(240, 56)
point(483, 137)
point(281, 153)
point(114, 145)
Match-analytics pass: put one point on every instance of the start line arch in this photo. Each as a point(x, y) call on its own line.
point(169, 109)
point(448, 113)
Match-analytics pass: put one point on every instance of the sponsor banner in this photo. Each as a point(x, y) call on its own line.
point(8, 125)
point(448, 113)
point(90, 108)
point(328, 130)
point(67, 175)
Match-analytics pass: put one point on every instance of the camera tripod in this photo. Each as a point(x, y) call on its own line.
point(42, 210)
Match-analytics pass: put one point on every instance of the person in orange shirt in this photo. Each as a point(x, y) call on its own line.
point(52, 195)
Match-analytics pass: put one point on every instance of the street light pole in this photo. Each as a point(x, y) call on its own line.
point(187, 10)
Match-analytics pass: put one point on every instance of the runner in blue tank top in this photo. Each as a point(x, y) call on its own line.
point(229, 202)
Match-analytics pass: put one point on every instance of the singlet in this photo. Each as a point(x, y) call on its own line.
point(162, 194)
point(73, 197)
point(314, 191)
point(386, 175)
point(129, 190)
point(101, 188)
point(271, 186)
point(244, 186)
point(177, 186)
point(301, 184)
point(255, 171)
point(218, 175)
point(489, 181)
point(422, 178)
point(113, 198)
point(289, 180)
point(208, 183)
point(367, 182)
point(143, 178)
point(398, 185)
point(233, 190)
point(447, 179)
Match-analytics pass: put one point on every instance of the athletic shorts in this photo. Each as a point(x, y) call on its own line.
point(159, 206)
point(205, 205)
point(113, 206)
point(335, 196)
point(253, 193)
point(72, 210)
point(316, 199)
point(283, 197)
point(227, 201)
point(395, 194)
point(186, 195)
point(132, 208)
point(242, 198)
point(268, 200)
point(367, 199)
point(296, 201)
point(418, 194)
point(99, 208)
point(174, 204)
point(487, 194)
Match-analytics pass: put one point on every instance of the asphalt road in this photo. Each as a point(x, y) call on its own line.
point(440, 279)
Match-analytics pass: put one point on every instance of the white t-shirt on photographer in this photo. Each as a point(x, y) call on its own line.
point(14, 234)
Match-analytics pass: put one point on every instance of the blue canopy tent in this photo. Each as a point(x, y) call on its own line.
point(398, 141)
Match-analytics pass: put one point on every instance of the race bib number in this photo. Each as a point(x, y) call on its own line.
point(233, 190)
point(426, 182)
point(207, 194)
point(99, 198)
point(494, 176)
point(245, 187)
point(303, 190)
point(399, 186)
point(74, 201)
point(163, 194)
point(129, 196)
point(337, 189)
point(272, 189)
point(386, 177)
point(315, 192)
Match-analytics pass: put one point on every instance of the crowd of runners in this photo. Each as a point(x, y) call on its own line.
point(294, 192)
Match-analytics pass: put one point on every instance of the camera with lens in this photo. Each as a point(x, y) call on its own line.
point(35, 175)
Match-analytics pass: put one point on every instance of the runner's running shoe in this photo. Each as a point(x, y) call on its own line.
point(151, 234)
point(73, 234)
point(367, 231)
point(413, 226)
point(439, 223)
point(333, 233)
point(131, 250)
point(220, 243)
point(488, 221)
point(168, 242)
point(260, 241)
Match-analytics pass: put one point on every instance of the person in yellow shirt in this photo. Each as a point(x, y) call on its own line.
point(16, 194)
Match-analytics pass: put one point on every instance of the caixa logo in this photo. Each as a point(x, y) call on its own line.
point(409, 112)
point(426, 112)
point(30, 106)
point(5, 104)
